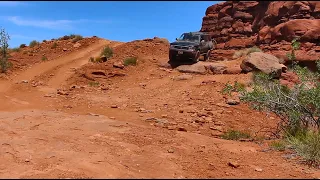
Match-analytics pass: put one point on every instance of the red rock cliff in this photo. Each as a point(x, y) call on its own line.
point(271, 25)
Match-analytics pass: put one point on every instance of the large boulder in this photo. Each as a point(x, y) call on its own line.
point(267, 63)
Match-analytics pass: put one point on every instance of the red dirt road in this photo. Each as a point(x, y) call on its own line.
point(79, 135)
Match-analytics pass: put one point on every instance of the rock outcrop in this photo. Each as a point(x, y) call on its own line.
point(271, 25)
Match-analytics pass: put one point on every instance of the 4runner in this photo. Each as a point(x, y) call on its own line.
point(191, 46)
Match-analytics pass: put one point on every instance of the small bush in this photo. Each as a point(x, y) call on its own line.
point(44, 58)
point(15, 49)
point(307, 145)
point(72, 36)
point(130, 61)
point(235, 135)
point(107, 51)
point(54, 45)
point(278, 145)
point(22, 46)
point(91, 59)
point(77, 38)
point(44, 41)
point(94, 83)
point(298, 108)
point(237, 87)
point(4, 63)
point(33, 43)
point(245, 52)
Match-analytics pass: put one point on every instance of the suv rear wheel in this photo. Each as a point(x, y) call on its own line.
point(207, 55)
point(197, 57)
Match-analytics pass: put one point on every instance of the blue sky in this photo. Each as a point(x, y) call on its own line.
point(114, 20)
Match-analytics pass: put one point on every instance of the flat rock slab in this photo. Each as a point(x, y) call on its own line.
point(203, 68)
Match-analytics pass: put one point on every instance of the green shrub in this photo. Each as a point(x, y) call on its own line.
point(54, 45)
point(33, 43)
point(130, 61)
point(22, 46)
point(94, 83)
point(237, 87)
point(235, 135)
point(307, 145)
point(15, 49)
point(77, 38)
point(96, 59)
point(72, 36)
point(4, 62)
point(295, 45)
point(298, 108)
point(278, 145)
point(91, 59)
point(44, 58)
point(107, 51)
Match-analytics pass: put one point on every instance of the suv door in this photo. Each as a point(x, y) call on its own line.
point(204, 44)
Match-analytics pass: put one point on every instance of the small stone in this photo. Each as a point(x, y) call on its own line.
point(114, 106)
point(218, 123)
point(25, 81)
point(151, 119)
point(233, 102)
point(208, 119)
point(92, 114)
point(27, 160)
point(217, 128)
point(233, 164)
point(164, 116)
point(104, 88)
point(258, 169)
point(180, 111)
point(118, 65)
point(207, 109)
point(143, 85)
point(216, 133)
point(182, 129)
point(182, 77)
point(171, 128)
point(62, 93)
point(76, 45)
point(64, 49)
point(67, 106)
point(170, 151)
point(112, 118)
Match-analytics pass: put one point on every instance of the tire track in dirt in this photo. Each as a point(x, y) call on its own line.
point(62, 64)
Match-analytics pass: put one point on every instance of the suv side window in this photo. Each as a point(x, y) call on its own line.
point(205, 38)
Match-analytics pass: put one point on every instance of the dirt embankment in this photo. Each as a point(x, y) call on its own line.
point(24, 57)
point(271, 25)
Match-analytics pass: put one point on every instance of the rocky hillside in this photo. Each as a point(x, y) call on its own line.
point(271, 25)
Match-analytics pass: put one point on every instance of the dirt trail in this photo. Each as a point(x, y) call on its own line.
point(79, 135)
point(62, 65)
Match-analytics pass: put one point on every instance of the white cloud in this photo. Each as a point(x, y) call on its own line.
point(51, 24)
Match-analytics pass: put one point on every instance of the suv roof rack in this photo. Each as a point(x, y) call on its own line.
point(200, 33)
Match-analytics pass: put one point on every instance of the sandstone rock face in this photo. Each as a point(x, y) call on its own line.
point(271, 25)
point(259, 61)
